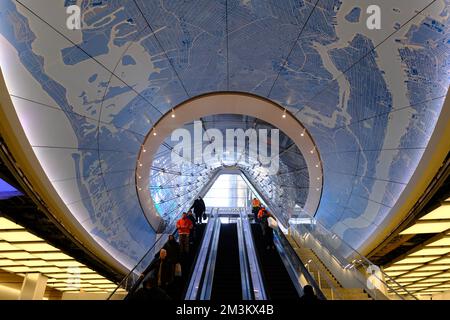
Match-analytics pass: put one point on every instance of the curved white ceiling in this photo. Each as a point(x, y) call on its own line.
point(227, 103)
point(87, 98)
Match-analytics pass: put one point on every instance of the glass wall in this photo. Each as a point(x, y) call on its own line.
point(229, 190)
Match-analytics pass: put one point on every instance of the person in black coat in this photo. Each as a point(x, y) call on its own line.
point(162, 270)
point(173, 250)
point(193, 233)
point(308, 294)
point(150, 291)
point(199, 209)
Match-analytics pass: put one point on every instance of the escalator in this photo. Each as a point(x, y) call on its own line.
point(277, 282)
point(229, 261)
point(227, 275)
point(178, 286)
point(188, 261)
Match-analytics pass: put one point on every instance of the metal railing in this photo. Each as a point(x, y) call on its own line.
point(135, 276)
point(374, 283)
point(256, 284)
point(295, 266)
point(196, 282)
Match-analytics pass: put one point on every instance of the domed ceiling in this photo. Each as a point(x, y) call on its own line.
point(87, 98)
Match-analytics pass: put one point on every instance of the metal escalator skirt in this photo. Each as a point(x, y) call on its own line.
point(197, 274)
point(259, 291)
point(243, 263)
point(210, 267)
point(291, 267)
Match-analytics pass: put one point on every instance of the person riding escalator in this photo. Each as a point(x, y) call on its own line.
point(199, 209)
point(264, 215)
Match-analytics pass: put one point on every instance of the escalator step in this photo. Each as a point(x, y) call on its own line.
point(227, 275)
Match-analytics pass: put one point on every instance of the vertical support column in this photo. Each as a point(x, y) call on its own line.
point(33, 287)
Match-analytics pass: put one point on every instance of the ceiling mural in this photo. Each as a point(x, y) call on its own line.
point(87, 98)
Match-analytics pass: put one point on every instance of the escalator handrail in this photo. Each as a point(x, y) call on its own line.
point(134, 268)
point(309, 278)
point(193, 286)
point(194, 262)
point(257, 276)
point(208, 276)
point(247, 288)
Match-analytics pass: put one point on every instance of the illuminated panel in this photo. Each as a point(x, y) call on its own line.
point(16, 236)
point(442, 212)
point(431, 251)
point(26, 255)
point(442, 261)
point(32, 263)
point(6, 224)
point(416, 260)
point(7, 263)
point(5, 246)
point(35, 247)
point(441, 242)
point(427, 227)
point(434, 267)
point(402, 267)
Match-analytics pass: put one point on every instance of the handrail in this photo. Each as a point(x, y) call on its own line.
point(310, 279)
point(125, 279)
point(211, 265)
point(327, 279)
point(197, 254)
point(357, 259)
point(319, 272)
point(244, 264)
point(259, 292)
point(198, 270)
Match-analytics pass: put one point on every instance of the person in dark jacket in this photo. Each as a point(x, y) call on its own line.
point(150, 291)
point(173, 250)
point(163, 270)
point(194, 224)
point(308, 294)
point(263, 216)
point(199, 209)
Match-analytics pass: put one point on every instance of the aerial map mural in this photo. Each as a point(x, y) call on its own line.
point(369, 93)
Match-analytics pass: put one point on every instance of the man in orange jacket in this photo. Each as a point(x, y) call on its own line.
point(184, 226)
point(255, 207)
